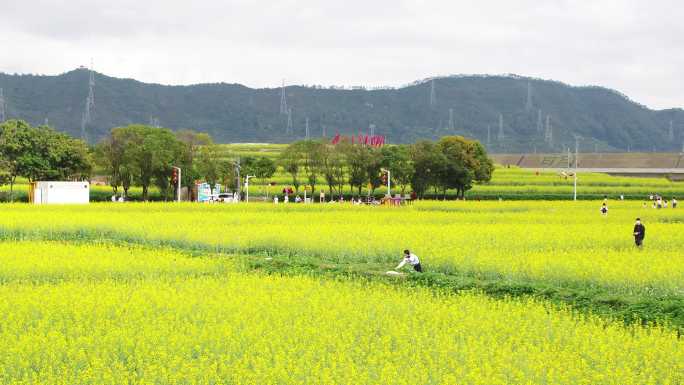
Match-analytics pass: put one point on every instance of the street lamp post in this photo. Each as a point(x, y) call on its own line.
point(237, 172)
point(577, 138)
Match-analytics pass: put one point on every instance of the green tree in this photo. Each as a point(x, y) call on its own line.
point(428, 163)
point(41, 153)
point(374, 167)
point(290, 159)
point(357, 158)
point(209, 164)
point(397, 159)
point(145, 155)
point(15, 144)
point(193, 142)
point(312, 155)
point(466, 163)
point(264, 168)
point(334, 164)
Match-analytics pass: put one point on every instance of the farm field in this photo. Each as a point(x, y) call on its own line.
point(514, 292)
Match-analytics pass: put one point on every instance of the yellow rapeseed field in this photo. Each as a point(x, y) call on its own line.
point(106, 314)
point(552, 241)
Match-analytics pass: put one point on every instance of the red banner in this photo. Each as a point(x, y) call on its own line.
point(366, 140)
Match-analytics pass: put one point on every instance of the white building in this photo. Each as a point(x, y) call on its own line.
point(59, 192)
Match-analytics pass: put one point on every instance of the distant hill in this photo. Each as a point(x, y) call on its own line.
point(606, 119)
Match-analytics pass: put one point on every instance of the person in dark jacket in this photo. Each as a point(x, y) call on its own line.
point(639, 232)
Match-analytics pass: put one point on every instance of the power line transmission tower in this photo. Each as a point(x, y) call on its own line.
point(528, 104)
point(433, 96)
point(540, 121)
point(500, 136)
point(670, 135)
point(283, 101)
point(154, 122)
point(3, 117)
point(489, 135)
point(452, 126)
point(371, 129)
point(288, 130)
point(306, 128)
point(89, 104)
point(548, 133)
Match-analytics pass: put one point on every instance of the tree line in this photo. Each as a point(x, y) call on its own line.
point(453, 162)
point(140, 155)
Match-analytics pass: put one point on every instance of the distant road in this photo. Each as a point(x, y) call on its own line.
point(635, 164)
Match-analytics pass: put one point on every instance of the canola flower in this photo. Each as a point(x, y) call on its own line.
point(146, 316)
point(562, 242)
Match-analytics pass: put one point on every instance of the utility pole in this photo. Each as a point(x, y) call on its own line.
point(670, 135)
point(548, 134)
point(237, 173)
point(3, 117)
point(307, 128)
point(528, 103)
point(489, 134)
point(283, 100)
point(89, 104)
point(288, 130)
point(577, 138)
point(433, 96)
point(540, 124)
point(500, 136)
point(451, 119)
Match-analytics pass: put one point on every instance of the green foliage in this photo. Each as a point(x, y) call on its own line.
point(290, 160)
point(264, 168)
point(143, 155)
point(41, 153)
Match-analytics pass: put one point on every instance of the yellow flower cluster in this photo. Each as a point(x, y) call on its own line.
point(103, 314)
point(552, 241)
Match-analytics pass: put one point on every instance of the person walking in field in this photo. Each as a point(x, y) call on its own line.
point(604, 209)
point(639, 233)
point(674, 203)
point(411, 259)
point(321, 197)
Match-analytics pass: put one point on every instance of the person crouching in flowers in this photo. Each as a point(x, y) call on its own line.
point(411, 259)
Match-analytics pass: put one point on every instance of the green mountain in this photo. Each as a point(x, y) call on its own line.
point(493, 109)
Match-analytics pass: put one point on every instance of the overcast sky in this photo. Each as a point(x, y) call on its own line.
point(636, 47)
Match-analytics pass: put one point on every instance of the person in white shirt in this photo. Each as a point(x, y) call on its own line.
point(411, 259)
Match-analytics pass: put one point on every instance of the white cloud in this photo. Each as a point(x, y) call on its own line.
point(632, 46)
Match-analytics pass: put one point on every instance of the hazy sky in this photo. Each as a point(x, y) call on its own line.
point(636, 47)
